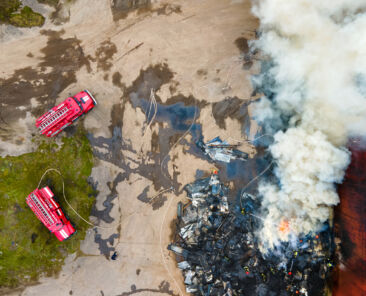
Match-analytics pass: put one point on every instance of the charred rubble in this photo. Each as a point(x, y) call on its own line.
point(217, 250)
point(219, 150)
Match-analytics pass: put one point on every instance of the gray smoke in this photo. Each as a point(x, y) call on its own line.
point(314, 86)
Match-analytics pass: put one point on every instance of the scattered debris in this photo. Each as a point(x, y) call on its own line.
point(220, 150)
point(217, 249)
point(114, 256)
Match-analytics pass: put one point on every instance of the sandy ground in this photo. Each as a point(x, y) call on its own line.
point(193, 54)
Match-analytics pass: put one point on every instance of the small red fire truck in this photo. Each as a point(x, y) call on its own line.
point(49, 212)
point(63, 115)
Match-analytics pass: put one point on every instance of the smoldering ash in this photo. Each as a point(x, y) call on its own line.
point(314, 83)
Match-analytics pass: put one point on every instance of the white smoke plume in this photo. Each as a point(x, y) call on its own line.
point(317, 50)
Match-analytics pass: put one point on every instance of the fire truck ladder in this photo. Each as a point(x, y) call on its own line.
point(55, 118)
point(41, 208)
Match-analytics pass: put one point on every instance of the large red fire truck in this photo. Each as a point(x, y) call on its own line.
point(49, 212)
point(64, 114)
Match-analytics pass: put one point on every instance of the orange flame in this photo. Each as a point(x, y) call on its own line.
point(284, 226)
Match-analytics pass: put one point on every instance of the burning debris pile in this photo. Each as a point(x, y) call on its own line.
point(218, 252)
point(219, 150)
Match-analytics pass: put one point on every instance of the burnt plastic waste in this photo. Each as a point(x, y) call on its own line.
point(218, 252)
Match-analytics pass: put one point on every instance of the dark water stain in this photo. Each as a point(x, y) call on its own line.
point(167, 9)
point(104, 244)
point(154, 76)
point(116, 79)
point(232, 107)
point(200, 174)
point(158, 202)
point(108, 205)
point(56, 70)
point(143, 195)
point(242, 44)
point(241, 173)
point(164, 288)
point(34, 237)
point(178, 115)
point(104, 55)
point(122, 8)
point(178, 111)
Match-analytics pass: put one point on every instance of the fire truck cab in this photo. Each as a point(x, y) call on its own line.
point(64, 114)
point(49, 213)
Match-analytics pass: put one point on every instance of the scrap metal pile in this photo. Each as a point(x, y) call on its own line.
point(219, 150)
point(217, 249)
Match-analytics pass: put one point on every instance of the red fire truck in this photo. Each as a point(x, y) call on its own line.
point(49, 212)
point(63, 115)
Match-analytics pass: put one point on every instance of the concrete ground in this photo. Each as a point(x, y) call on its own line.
point(194, 55)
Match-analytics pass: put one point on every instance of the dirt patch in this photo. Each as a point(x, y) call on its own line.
point(154, 77)
point(242, 44)
point(122, 8)
point(130, 51)
point(116, 80)
point(201, 72)
point(167, 9)
point(62, 58)
point(104, 55)
point(108, 205)
point(229, 108)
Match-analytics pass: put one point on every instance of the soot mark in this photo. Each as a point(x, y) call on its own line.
point(56, 70)
point(164, 288)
